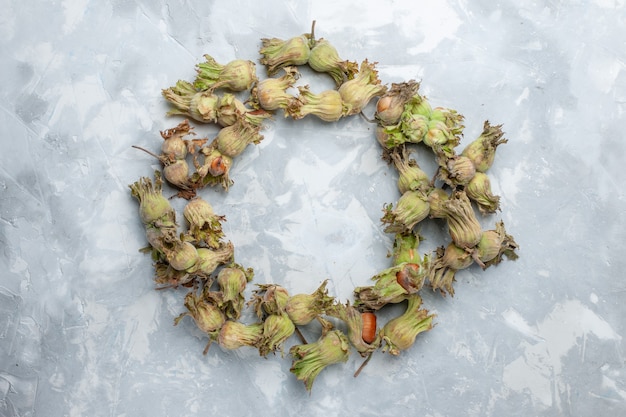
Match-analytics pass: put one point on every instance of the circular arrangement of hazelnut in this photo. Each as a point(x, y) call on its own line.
point(202, 261)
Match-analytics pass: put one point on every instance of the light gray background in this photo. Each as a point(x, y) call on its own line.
point(84, 333)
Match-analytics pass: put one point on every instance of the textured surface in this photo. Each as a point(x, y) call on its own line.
point(83, 332)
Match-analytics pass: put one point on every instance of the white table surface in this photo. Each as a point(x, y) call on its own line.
point(84, 333)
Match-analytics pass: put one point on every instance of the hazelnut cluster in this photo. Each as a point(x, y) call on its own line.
point(200, 260)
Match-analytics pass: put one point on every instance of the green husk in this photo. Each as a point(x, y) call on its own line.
point(304, 308)
point(325, 58)
point(153, 206)
point(493, 245)
point(277, 328)
point(182, 256)
point(410, 209)
point(392, 104)
point(463, 225)
point(436, 199)
point(237, 75)
point(351, 316)
point(327, 105)
point(269, 299)
point(201, 106)
point(234, 335)
point(232, 281)
point(174, 147)
point(405, 247)
point(277, 53)
point(482, 151)
point(230, 110)
point(201, 307)
point(311, 358)
point(392, 285)
point(271, 93)
point(410, 175)
point(445, 266)
point(213, 170)
point(210, 259)
point(479, 191)
point(232, 140)
point(399, 333)
point(205, 227)
point(457, 171)
point(358, 92)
